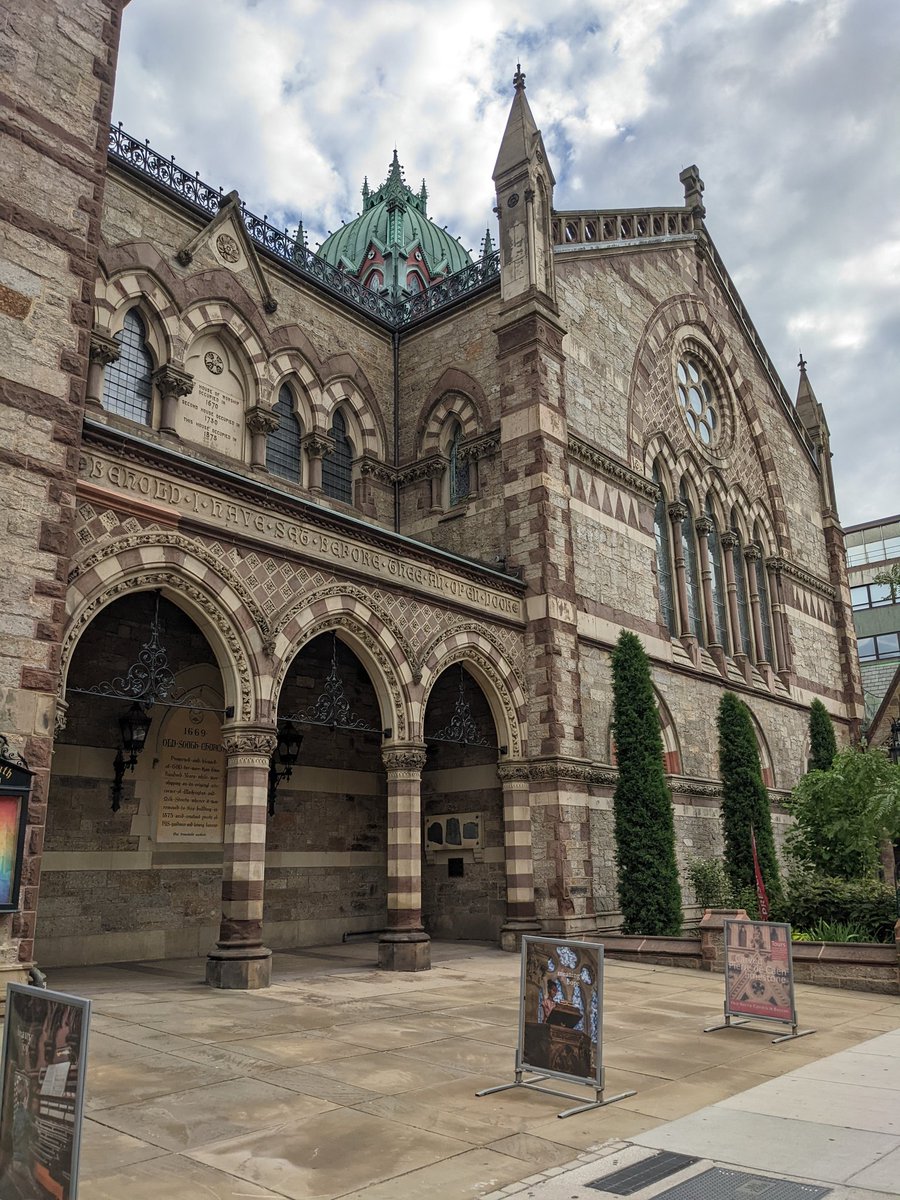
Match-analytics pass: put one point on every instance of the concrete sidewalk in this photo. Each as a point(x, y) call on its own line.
point(345, 1081)
point(834, 1122)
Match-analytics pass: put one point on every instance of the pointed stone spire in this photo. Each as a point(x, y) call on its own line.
point(365, 191)
point(809, 410)
point(487, 246)
point(299, 242)
point(423, 198)
point(521, 130)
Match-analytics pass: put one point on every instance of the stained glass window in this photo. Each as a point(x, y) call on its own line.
point(283, 445)
point(762, 586)
point(663, 557)
point(459, 467)
point(128, 382)
point(740, 579)
point(691, 571)
point(718, 581)
point(337, 465)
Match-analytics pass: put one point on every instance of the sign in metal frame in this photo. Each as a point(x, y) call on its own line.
point(567, 965)
point(42, 1083)
point(759, 957)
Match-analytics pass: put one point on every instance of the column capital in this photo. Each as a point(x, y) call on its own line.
point(704, 527)
point(172, 381)
point(514, 772)
point(677, 510)
point(752, 552)
point(729, 539)
point(255, 740)
point(317, 445)
point(104, 350)
point(261, 420)
point(404, 760)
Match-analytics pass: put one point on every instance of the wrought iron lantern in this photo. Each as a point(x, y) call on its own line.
point(134, 726)
point(283, 760)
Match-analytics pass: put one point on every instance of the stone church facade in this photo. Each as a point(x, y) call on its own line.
point(394, 502)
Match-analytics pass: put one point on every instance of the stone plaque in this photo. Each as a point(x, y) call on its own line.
point(213, 418)
point(191, 805)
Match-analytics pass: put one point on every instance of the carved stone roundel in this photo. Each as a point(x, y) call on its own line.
point(228, 247)
point(213, 362)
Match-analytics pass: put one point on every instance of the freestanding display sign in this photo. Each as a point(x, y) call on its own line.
point(561, 1020)
point(759, 976)
point(42, 1093)
point(15, 788)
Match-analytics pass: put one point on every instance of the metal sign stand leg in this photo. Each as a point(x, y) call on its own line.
point(534, 1086)
point(729, 1021)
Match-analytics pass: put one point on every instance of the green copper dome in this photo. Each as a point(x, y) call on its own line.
point(390, 234)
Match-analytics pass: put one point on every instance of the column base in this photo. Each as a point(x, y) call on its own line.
point(404, 950)
point(239, 968)
point(511, 933)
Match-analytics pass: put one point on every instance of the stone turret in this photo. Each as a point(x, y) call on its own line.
point(524, 184)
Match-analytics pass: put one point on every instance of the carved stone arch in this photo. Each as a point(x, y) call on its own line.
point(380, 622)
point(690, 476)
point(193, 595)
point(763, 530)
point(218, 315)
point(291, 368)
point(672, 759)
point(455, 395)
point(743, 525)
point(137, 288)
point(366, 423)
point(721, 504)
point(467, 644)
point(689, 316)
point(765, 754)
point(373, 644)
point(187, 550)
point(659, 453)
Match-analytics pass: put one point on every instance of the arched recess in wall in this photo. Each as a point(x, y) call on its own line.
point(489, 667)
point(365, 423)
point(765, 756)
point(455, 393)
point(370, 638)
point(652, 399)
point(672, 760)
point(121, 292)
point(216, 610)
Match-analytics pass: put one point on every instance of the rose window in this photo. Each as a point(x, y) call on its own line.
point(697, 394)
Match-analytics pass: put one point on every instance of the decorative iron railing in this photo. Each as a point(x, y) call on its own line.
point(164, 172)
point(620, 225)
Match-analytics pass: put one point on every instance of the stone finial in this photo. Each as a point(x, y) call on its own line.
point(519, 78)
point(802, 363)
point(693, 190)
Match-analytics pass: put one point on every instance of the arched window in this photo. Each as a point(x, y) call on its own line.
point(762, 587)
point(283, 445)
point(691, 572)
point(718, 580)
point(663, 557)
point(128, 382)
point(414, 282)
point(375, 281)
point(337, 465)
point(740, 579)
point(460, 481)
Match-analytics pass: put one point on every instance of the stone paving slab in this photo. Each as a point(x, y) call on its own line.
point(344, 1081)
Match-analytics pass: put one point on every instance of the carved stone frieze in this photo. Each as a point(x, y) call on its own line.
point(252, 741)
point(616, 471)
point(408, 760)
point(428, 468)
point(812, 582)
point(518, 772)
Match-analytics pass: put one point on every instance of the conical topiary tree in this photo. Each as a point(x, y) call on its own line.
point(822, 746)
point(649, 893)
point(745, 801)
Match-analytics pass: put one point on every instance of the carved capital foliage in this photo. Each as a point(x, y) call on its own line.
point(752, 552)
point(369, 465)
point(428, 468)
point(729, 539)
point(616, 471)
point(518, 772)
point(482, 447)
point(261, 420)
point(677, 511)
point(254, 740)
point(571, 770)
point(704, 526)
point(104, 350)
point(405, 759)
point(317, 446)
point(172, 381)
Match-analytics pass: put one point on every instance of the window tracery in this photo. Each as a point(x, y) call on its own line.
point(283, 444)
point(128, 382)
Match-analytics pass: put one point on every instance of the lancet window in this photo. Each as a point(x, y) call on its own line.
point(128, 382)
point(663, 557)
point(719, 595)
point(283, 444)
point(337, 469)
point(691, 571)
point(460, 479)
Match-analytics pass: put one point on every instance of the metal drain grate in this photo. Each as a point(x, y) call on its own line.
point(719, 1183)
point(628, 1180)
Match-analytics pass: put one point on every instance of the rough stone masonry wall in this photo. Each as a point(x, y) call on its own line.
point(108, 892)
point(56, 102)
point(143, 230)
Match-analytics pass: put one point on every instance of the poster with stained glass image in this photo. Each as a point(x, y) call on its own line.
point(562, 996)
point(759, 975)
point(42, 1093)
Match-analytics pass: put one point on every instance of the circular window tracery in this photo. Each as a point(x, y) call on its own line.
point(698, 396)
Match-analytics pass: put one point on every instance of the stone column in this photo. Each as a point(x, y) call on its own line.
point(404, 946)
point(260, 422)
point(703, 526)
point(173, 383)
point(752, 555)
point(239, 959)
point(678, 515)
point(104, 350)
point(779, 618)
point(521, 915)
point(729, 540)
point(435, 475)
point(316, 448)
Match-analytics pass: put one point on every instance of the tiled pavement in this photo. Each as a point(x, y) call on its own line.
point(341, 1080)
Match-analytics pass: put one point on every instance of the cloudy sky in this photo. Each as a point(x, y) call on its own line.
point(791, 109)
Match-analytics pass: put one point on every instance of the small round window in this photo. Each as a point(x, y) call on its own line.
point(697, 394)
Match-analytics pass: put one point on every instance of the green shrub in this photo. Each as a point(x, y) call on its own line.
point(709, 880)
point(866, 905)
point(649, 892)
point(837, 931)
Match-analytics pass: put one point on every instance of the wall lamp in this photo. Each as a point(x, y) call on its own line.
point(134, 726)
point(283, 760)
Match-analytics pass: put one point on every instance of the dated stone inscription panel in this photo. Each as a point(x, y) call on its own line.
point(191, 803)
point(213, 414)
